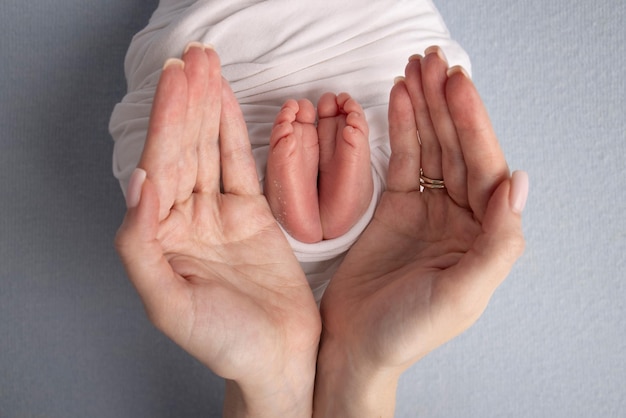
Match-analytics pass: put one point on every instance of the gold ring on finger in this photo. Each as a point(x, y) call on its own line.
point(430, 183)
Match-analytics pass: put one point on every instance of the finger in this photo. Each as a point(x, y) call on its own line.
point(431, 150)
point(165, 130)
point(139, 250)
point(453, 170)
point(196, 72)
point(481, 270)
point(404, 163)
point(486, 165)
point(208, 178)
point(239, 174)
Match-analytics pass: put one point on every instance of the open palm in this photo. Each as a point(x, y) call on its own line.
point(426, 266)
point(214, 270)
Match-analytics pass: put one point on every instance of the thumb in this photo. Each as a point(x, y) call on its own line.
point(503, 219)
point(495, 251)
point(137, 244)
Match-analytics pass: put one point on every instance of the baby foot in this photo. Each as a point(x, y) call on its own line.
point(345, 180)
point(292, 167)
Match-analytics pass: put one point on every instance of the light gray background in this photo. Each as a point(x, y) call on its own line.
point(74, 340)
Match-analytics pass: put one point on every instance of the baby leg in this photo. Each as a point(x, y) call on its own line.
point(345, 179)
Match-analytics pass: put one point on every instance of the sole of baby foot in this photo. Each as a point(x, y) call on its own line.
point(345, 179)
point(292, 167)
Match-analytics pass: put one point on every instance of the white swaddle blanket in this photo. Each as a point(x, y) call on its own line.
point(279, 49)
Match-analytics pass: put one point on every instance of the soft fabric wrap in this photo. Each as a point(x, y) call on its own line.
point(279, 49)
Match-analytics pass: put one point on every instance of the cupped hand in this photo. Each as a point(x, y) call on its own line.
point(427, 265)
point(200, 244)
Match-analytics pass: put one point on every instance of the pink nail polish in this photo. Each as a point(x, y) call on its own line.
point(135, 184)
point(519, 191)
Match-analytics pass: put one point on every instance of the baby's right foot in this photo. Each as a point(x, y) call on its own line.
point(292, 167)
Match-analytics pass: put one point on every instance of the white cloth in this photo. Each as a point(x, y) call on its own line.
point(279, 49)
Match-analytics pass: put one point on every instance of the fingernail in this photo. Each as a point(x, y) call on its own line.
point(398, 80)
point(436, 50)
point(457, 69)
point(519, 191)
point(415, 57)
point(193, 44)
point(135, 184)
point(174, 62)
point(209, 46)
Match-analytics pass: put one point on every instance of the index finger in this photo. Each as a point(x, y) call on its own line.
point(486, 165)
point(162, 147)
point(404, 164)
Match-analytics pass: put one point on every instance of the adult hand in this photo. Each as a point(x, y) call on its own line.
point(202, 248)
point(427, 265)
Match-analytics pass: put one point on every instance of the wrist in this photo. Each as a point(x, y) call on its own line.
point(347, 385)
point(289, 394)
point(239, 403)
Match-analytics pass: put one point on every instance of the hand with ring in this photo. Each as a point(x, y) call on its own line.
point(446, 233)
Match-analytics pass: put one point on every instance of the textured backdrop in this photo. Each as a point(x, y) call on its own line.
point(74, 340)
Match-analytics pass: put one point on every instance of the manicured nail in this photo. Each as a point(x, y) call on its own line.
point(135, 184)
point(174, 62)
point(436, 50)
point(519, 191)
point(457, 69)
point(193, 44)
point(398, 80)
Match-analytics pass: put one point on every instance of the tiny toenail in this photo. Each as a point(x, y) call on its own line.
point(193, 44)
point(174, 62)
